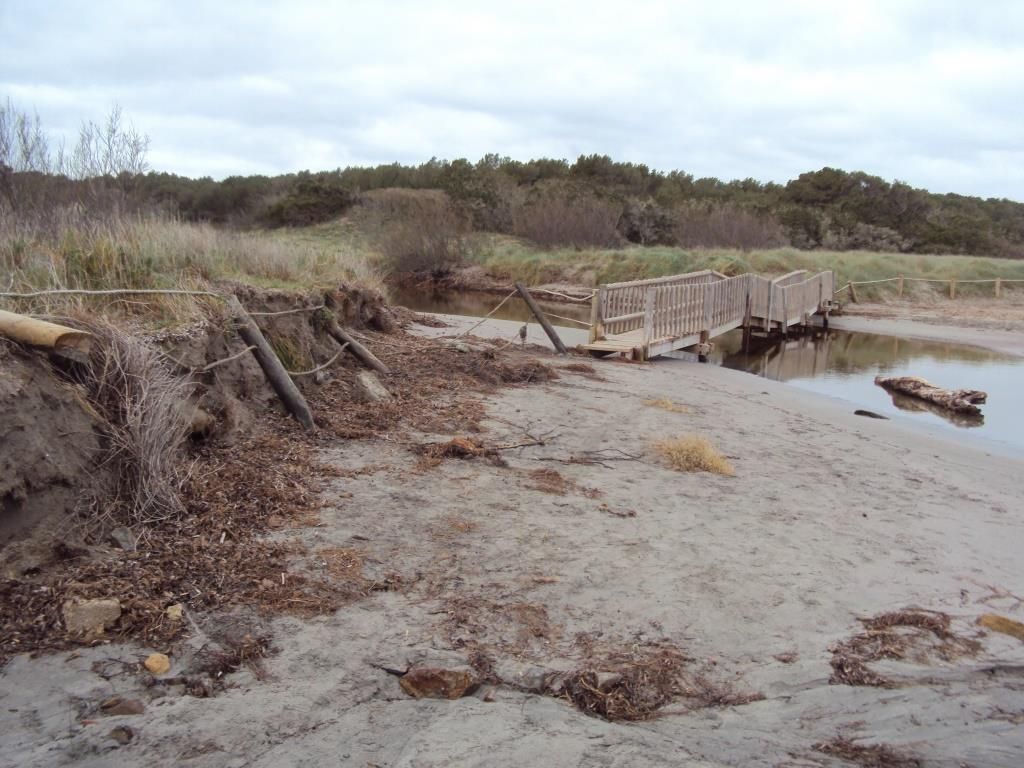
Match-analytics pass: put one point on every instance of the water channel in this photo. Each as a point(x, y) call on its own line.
point(839, 364)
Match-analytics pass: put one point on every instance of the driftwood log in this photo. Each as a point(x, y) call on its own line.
point(957, 400)
point(271, 365)
point(64, 341)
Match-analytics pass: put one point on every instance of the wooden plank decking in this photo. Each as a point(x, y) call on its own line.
point(647, 318)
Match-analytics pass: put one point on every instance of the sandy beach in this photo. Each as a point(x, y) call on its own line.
point(583, 545)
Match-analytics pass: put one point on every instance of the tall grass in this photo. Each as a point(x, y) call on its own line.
point(71, 249)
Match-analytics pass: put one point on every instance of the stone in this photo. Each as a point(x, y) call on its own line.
point(437, 683)
point(123, 538)
point(368, 388)
point(158, 663)
point(119, 706)
point(90, 616)
point(122, 734)
point(175, 612)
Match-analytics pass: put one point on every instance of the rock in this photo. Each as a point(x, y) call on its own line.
point(122, 734)
point(869, 414)
point(202, 423)
point(158, 663)
point(437, 683)
point(368, 388)
point(123, 538)
point(119, 706)
point(92, 616)
point(175, 612)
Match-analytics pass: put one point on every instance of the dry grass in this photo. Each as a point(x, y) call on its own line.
point(693, 453)
point(667, 405)
point(78, 251)
point(139, 400)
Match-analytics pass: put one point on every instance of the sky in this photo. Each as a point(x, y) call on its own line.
point(930, 92)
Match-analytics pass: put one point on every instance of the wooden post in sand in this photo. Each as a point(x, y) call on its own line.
point(899, 287)
point(369, 359)
point(275, 372)
point(548, 328)
point(999, 285)
point(952, 289)
point(853, 292)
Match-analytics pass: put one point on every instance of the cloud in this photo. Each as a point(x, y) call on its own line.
point(928, 92)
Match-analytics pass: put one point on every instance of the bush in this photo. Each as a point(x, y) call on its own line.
point(312, 201)
point(556, 218)
point(726, 226)
point(415, 231)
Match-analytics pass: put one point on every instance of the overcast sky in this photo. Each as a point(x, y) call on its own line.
point(930, 92)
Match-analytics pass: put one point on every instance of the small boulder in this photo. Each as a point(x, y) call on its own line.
point(368, 388)
point(158, 663)
point(175, 612)
point(437, 683)
point(123, 538)
point(92, 616)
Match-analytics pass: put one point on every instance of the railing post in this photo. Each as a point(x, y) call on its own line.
point(648, 318)
point(596, 318)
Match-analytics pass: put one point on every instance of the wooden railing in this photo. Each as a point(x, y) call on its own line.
point(621, 306)
point(705, 304)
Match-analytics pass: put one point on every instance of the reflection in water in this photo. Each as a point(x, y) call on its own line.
point(917, 405)
point(844, 365)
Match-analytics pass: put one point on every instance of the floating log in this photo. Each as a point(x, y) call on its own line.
point(544, 323)
point(957, 400)
point(275, 372)
point(369, 359)
point(64, 341)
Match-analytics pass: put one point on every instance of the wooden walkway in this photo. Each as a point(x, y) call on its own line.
point(647, 318)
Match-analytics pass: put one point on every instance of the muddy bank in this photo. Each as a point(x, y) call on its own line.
point(580, 550)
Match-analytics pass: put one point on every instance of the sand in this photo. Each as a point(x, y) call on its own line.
point(830, 517)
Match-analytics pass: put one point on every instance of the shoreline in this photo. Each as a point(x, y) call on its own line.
point(830, 518)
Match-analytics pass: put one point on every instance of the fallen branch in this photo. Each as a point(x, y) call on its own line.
point(365, 355)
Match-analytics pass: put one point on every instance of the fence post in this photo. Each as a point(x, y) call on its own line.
point(648, 318)
point(899, 287)
point(952, 289)
point(999, 285)
point(853, 292)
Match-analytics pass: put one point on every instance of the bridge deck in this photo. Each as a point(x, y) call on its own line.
point(647, 318)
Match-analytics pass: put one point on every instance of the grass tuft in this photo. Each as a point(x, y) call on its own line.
point(667, 405)
point(693, 453)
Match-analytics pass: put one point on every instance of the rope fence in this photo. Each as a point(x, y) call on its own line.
point(999, 282)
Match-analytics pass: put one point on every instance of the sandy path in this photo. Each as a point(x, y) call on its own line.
point(830, 517)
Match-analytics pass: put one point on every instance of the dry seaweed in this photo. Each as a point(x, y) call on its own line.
point(895, 635)
point(867, 755)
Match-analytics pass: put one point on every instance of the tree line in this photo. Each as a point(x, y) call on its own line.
point(592, 201)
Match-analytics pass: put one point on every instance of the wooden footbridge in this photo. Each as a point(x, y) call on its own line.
point(647, 318)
